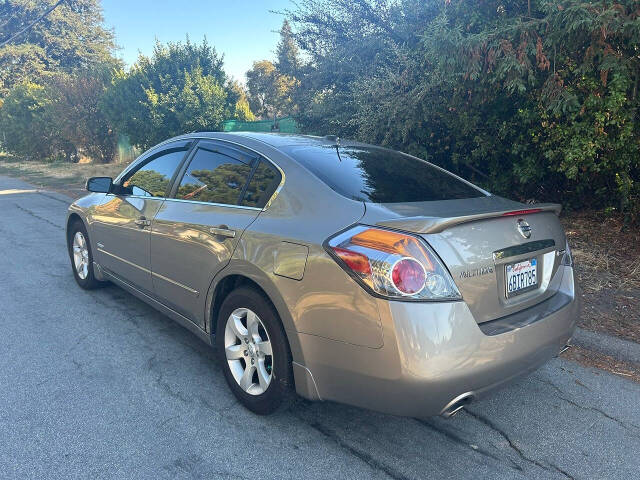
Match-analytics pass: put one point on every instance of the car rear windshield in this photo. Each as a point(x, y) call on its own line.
point(378, 175)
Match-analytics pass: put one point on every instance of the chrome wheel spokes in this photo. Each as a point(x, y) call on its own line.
point(248, 351)
point(80, 255)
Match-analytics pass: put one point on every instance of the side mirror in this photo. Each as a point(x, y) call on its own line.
point(100, 184)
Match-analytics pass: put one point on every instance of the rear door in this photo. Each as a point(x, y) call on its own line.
point(121, 225)
point(197, 229)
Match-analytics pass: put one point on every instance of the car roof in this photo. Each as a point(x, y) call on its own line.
point(286, 139)
point(272, 139)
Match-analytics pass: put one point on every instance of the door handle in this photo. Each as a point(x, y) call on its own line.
point(222, 231)
point(143, 222)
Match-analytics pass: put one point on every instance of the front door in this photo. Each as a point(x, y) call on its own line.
point(196, 231)
point(122, 224)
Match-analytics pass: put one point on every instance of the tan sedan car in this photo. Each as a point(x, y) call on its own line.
point(338, 270)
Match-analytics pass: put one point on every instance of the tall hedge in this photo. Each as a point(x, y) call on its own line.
point(534, 100)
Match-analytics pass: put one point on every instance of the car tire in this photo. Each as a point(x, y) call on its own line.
point(237, 353)
point(79, 245)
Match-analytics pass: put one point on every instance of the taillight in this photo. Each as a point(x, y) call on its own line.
point(393, 264)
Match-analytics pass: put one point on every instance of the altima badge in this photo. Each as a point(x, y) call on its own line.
point(524, 228)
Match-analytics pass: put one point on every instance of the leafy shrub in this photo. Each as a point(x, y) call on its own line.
point(181, 88)
point(535, 100)
point(23, 122)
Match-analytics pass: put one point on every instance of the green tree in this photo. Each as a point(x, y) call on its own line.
point(536, 100)
point(71, 37)
point(181, 88)
point(287, 54)
point(79, 126)
point(242, 110)
point(270, 93)
point(24, 122)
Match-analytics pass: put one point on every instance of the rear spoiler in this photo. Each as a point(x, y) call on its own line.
point(425, 224)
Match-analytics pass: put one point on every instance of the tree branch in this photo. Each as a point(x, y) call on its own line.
point(39, 19)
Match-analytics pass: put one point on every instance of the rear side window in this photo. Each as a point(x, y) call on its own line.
point(372, 174)
point(263, 183)
point(213, 177)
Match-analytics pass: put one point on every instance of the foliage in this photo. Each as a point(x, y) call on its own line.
point(288, 59)
point(536, 100)
point(23, 119)
point(181, 88)
point(52, 78)
point(242, 110)
point(62, 117)
point(269, 91)
point(271, 87)
point(78, 124)
point(71, 37)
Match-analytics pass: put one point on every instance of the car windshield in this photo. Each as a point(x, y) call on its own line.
point(378, 175)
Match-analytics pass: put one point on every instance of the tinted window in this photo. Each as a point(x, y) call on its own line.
point(213, 177)
point(378, 175)
point(153, 177)
point(263, 183)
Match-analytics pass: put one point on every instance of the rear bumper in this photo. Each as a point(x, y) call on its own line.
point(435, 352)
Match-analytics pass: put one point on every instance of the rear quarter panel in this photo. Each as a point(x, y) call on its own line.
point(325, 301)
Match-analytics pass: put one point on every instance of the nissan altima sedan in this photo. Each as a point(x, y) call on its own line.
point(337, 270)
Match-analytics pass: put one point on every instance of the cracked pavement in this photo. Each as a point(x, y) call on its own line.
point(100, 385)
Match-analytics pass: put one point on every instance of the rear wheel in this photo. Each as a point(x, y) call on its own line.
point(254, 351)
point(81, 256)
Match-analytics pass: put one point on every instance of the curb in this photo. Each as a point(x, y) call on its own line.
point(618, 348)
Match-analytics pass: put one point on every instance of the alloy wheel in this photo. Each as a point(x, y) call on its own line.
point(248, 351)
point(80, 255)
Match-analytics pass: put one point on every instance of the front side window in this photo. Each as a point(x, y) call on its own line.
point(213, 177)
point(153, 177)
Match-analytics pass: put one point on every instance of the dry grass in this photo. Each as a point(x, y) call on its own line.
point(64, 177)
point(607, 261)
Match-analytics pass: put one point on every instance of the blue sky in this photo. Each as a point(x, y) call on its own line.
point(243, 30)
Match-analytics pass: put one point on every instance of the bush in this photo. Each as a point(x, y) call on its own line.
point(181, 88)
point(24, 123)
point(62, 118)
point(534, 102)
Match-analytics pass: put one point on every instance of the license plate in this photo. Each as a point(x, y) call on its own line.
point(521, 277)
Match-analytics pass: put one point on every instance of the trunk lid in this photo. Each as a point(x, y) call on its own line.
point(477, 238)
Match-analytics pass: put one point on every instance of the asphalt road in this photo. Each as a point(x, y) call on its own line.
point(99, 385)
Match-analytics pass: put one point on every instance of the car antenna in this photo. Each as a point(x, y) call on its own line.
point(336, 139)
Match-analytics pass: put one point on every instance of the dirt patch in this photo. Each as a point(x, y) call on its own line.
point(589, 358)
point(64, 177)
point(607, 263)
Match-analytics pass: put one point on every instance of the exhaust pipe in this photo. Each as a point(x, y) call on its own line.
point(457, 404)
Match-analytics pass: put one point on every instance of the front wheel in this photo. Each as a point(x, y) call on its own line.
point(254, 351)
point(81, 256)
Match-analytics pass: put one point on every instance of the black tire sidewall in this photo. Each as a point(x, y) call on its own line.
point(280, 387)
point(90, 282)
